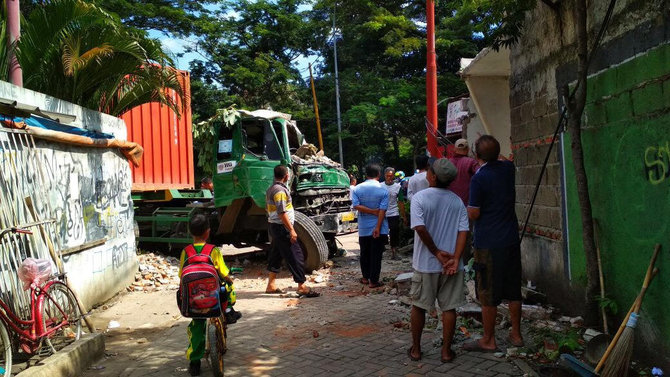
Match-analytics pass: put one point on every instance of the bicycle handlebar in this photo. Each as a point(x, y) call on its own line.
point(22, 228)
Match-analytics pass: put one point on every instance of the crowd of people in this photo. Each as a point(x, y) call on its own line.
point(456, 205)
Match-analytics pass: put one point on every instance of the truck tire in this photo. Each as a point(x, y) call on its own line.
point(312, 241)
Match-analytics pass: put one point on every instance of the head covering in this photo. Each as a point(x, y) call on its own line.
point(444, 170)
point(461, 144)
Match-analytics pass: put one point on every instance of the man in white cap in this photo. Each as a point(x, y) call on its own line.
point(466, 166)
point(440, 221)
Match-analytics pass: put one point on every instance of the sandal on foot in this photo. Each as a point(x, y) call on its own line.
point(309, 294)
point(409, 353)
point(364, 281)
point(376, 285)
point(276, 291)
point(473, 346)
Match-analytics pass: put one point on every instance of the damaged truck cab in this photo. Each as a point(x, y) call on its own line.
point(246, 154)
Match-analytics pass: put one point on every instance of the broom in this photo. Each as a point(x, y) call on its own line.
point(615, 362)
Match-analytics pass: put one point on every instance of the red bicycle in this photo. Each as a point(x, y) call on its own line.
point(55, 319)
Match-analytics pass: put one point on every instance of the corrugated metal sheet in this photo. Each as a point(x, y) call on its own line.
point(167, 141)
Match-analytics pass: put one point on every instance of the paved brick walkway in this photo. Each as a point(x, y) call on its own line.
point(349, 331)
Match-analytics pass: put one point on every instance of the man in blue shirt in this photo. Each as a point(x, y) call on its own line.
point(496, 242)
point(371, 201)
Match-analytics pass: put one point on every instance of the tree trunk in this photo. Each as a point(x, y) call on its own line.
point(396, 149)
point(576, 109)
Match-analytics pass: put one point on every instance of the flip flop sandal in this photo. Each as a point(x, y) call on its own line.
point(309, 294)
point(409, 353)
point(473, 346)
point(277, 291)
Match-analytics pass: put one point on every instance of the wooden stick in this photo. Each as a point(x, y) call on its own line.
point(602, 279)
point(649, 276)
point(59, 265)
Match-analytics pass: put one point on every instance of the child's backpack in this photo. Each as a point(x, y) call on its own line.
point(198, 295)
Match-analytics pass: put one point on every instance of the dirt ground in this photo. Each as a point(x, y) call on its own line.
point(349, 330)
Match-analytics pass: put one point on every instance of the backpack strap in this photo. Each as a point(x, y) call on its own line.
point(207, 249)
point(190, 251)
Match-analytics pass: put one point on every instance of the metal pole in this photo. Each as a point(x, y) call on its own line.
point(337, 91)
point(14, 29)
point(316, 107)
point(431, 80)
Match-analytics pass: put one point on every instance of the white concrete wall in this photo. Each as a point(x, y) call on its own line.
point(490, 96)
point(87, 191)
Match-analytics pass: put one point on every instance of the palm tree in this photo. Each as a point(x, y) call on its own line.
point(74, 50)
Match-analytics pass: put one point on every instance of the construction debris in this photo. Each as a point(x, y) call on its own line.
point(156, 273)
point(309, 154)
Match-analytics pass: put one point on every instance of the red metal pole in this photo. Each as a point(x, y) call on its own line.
point(14, 28)
point(431, 80)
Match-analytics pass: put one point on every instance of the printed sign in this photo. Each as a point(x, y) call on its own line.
point(225, 167)
point(225, 146)
point(456, 113)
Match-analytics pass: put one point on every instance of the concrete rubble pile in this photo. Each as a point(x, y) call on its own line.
point(309, 154)
point(156, 273)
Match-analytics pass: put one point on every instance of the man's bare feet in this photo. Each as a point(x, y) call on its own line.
point(515, 339)
point(414, 353)
point(447, 354)
point(480, 346)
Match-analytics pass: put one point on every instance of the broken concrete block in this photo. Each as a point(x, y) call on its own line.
point(403, 283)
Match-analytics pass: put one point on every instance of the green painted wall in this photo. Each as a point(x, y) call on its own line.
point(627, 156)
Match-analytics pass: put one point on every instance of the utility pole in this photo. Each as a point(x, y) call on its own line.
point(14, 29)
point(316, 107)
point(431, 80)
point(337, 89)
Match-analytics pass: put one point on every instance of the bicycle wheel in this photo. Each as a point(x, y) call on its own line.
point(217, 345)
point(60, 307)
point(5, 352)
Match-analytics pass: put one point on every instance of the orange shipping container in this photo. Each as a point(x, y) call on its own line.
point(167, 141)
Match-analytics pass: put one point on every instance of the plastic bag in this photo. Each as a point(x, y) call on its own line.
point(34, 271)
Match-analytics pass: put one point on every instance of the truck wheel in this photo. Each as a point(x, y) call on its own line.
point(312, 241)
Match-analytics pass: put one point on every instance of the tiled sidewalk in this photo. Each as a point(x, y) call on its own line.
point(348, 331)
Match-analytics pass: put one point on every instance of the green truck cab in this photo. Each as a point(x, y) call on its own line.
point(246, 154)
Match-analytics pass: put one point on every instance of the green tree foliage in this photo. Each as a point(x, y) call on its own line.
point(251, 51)
point(74, 50)
point(253, 48)
point(172, 17)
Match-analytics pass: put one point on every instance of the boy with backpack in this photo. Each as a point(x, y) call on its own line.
point(202, 255)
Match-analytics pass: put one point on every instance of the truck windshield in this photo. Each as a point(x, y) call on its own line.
point(272, 149)
point(260, 140)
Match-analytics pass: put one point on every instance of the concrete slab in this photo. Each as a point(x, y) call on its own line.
point(71, 360)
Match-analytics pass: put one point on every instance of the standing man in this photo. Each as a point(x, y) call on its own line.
point(395, 210)
point(371, 201)
point(440, 222)
point(466, 166)
point(284, 238)
point(418, 181)
point(496, 242)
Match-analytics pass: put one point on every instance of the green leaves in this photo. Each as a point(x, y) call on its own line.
point(205, 136)
point(76, 51)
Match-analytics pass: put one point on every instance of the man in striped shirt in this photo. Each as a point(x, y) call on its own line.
point(281, 216)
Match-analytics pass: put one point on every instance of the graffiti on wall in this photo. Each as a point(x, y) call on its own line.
point(657, 163)
point(89, 194)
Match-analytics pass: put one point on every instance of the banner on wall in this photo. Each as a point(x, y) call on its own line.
point(457, 111)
